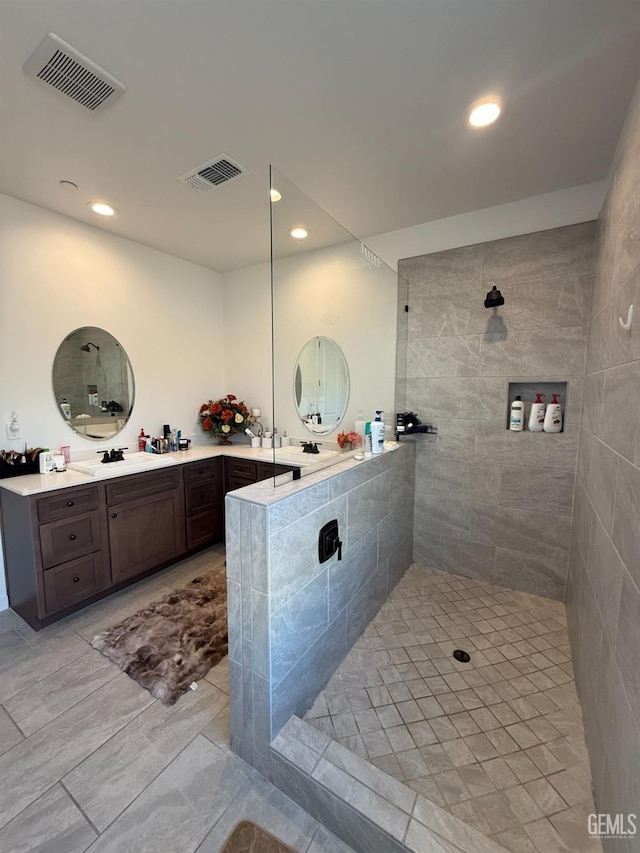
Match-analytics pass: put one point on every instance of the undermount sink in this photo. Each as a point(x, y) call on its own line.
point(130, 464)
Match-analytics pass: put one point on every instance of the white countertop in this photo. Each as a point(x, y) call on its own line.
point(32, 484)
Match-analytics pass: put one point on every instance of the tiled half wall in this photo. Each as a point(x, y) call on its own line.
point(292, 619)
point(493, 504)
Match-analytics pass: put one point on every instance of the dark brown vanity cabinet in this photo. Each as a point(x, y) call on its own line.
point(56, 551)
point(68, 547)
point(204, 502)
point(145, 516)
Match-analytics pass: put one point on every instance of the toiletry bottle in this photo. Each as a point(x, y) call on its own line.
point(516, 419)
point(174, 440)
point(553, 416)
point(377, 433)
point(142, 440)
point(536, 415)
point(66, 408)
point(367, 439)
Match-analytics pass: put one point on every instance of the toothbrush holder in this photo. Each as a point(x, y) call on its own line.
point(255, 442)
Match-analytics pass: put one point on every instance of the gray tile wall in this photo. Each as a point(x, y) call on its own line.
point(291, 619)
point(490, 503)
point(603, 594)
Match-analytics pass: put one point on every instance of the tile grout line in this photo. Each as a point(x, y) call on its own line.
point(79, 807)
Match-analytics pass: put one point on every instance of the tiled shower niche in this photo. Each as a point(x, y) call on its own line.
point(528, 391)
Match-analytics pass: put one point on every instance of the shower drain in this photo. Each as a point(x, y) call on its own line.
point(462, 656)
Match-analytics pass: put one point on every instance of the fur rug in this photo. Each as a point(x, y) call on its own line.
point(249, 838)
point(175, 641)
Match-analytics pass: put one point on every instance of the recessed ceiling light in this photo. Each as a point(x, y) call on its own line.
point(300, 232)
point(485, 112)
point(68, 185)
point(102, 208)
point(274, 195)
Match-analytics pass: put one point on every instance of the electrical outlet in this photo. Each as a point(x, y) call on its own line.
point(14, 432)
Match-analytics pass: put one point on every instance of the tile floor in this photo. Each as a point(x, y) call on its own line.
point(90, 761)
point(498, 741)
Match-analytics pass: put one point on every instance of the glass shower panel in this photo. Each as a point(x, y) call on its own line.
point(336, 329)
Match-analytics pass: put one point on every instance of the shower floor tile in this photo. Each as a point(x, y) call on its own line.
point(498, 741)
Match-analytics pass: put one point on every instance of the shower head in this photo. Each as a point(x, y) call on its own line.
point(86, 347)
point(494, 298)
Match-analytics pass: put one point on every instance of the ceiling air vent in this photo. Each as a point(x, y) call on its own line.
point(212, 174)
point(57, 64)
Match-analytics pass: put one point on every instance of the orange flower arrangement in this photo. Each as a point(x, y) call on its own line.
point(224, 417)
point(348, 440)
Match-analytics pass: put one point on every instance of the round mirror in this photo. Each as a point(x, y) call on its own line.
point(321, 385)
point(93, 383)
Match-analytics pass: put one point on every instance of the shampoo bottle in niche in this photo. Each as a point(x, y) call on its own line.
point(66, 408)
point(516, 418)
point(553, 416)
point(536, 415)
point(377, 433)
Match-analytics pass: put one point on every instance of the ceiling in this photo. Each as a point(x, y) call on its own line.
point(361, 103)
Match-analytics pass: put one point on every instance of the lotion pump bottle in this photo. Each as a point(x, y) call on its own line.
point(516, 418)
point(553, 416)
point(66, 408)
point(377, 433)
point(536, 415)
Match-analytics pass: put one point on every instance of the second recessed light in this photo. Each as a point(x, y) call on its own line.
point(300, 232)
point(485, 111)
point(102, 208)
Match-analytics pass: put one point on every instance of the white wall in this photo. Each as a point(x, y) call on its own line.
point(331, 292)
point(57, 274)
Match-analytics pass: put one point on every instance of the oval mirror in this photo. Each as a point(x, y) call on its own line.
point(321, 385)
point(93, 383)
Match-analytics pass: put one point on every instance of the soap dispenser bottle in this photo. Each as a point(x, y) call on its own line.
point(142, 440)
point(553, 416)
point(377, 433)
point(66, 408)
point(516, 418)
point(536, 415)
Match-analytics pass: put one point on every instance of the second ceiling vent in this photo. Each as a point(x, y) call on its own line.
point(58, 64)
point(213, 173)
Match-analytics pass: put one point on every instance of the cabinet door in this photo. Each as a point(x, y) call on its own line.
point(145, 533)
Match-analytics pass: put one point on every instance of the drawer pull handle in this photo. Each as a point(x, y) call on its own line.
point(114, 515)
point(70, 503)
point(72, 536)
point(76, 579)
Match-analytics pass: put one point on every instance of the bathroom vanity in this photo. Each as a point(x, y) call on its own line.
point(68, 546)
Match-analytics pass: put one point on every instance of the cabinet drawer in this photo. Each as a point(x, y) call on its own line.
point(244, 468)
point(69, 538)
point(143, 485)
point(198, 471)
point(66, 585)
point(67, 502)
point(203, 528)
point(239, 482)
point(201, 496)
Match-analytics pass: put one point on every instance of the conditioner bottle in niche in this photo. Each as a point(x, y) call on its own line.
point(377, 433)
point(516, 418)
point(553, 416)
point(536, 415)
